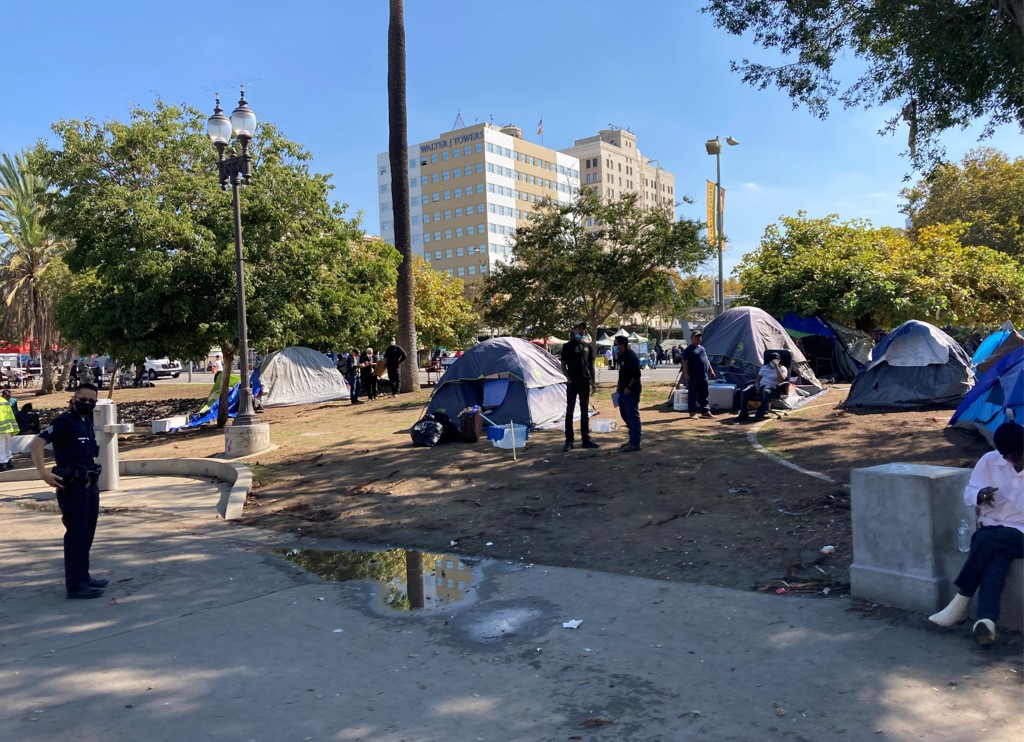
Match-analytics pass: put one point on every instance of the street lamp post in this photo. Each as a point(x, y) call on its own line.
point(714, 147)
point(235, 170)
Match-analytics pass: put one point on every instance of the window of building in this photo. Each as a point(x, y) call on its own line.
point(450, 272)
point(423, 180)
point(385, 188)
point(478, 148)
point(456, 152)
point(426, 218)
point(433, 158)
point(415, 239)
point(386, 206)
point(435, 197)
point(456, 173)
point(447, 195)
point(444, 156)
point(437, 255)
point(462, 272)
point(447, 214)
point(448, 253)
point(459, 252)
point(469, 229)
point(412, 162)
point(426, 236)
point(424, 200)
point(414, 219)
point(479, 187)
point(383, 169)
point(447, 234)
point(457, 193)
point(385, 225)
point(437, 236)
point(472, 270)
point(446, 175)
point(458, 213)
point(433, 177)
point(458, 231)
point(437, 216)
point(481, 228)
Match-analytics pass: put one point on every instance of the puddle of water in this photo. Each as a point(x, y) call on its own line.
point(437, 580)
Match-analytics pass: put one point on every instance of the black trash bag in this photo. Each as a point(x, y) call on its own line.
point(452, 432)
point(427, 433)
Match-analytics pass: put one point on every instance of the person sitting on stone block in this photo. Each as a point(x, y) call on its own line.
point(997, 488)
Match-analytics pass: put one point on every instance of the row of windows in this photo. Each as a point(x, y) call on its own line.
point(450, 153)
point(533, 161)
point(460, 252)
point(462, 271)
point(448, 234)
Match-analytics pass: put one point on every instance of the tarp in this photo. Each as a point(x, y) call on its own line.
point(208, 412)
point(298, 375)
point(736, 341)
point(998, 397)
point(514, 380)
point(831, 349)
point(915, 365)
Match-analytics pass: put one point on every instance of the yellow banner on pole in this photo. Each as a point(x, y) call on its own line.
point(712, 232)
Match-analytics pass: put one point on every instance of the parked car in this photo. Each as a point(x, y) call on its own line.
point(161, 367)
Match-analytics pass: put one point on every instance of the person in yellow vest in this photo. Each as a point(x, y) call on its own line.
point(8, 427)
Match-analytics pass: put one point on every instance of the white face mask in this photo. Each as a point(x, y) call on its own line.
point(579, 335)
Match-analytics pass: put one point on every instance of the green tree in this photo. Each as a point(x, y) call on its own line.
point(945, 63)
point(398, 159)
point(28, 250)
point(154, 242)
point(865, 276)
point(985, 190)
point(590, 259)
point(444, 317)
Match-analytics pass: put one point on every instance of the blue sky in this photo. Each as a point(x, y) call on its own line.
point(317, 68)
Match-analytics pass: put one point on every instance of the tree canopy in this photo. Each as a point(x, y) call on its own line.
point(154, 242)
point(864, 276)
point(590, 259)
point(985, 190)
point(945, 63)
point(444, 317)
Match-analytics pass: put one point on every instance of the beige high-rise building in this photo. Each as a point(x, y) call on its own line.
point(470, 189)
point(612, 165)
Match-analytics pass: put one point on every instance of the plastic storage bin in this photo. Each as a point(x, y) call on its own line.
point(501, 435)
point(721, 396)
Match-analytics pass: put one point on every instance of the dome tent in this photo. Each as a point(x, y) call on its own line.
point(514, 380)
point(915, 365)
point(838, 351)
point(298, 375)
point(998, 397)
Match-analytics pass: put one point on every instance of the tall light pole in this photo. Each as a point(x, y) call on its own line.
point(236, 170)
point(714, 147)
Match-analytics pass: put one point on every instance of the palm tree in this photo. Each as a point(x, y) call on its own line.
point(398, 155)
point(27, 251)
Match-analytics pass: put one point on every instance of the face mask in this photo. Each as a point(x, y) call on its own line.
point(83, 408)
point(579, 335)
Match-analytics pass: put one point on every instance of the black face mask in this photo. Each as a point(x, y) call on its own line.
point(83, 408)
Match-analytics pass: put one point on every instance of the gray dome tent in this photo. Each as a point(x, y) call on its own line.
point(915, 365)
point(512, 379)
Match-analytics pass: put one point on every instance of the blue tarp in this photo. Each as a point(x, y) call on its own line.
point(999, 390)
point(210, 415)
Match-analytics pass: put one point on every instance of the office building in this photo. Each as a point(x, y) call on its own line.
point(470, 189)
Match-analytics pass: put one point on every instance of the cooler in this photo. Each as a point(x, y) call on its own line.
point(721, 396)
point(679, 397)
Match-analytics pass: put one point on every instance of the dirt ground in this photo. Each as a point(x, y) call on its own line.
point(698, 504)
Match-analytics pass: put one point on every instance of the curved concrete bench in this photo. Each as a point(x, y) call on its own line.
point(238, 476)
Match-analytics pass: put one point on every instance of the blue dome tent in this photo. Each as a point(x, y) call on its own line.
point(998, 397)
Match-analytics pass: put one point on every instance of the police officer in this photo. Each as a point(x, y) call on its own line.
point(78, 494)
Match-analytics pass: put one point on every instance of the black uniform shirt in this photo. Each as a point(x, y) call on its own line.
point(73, 439)
point(577, 361)
point(629, 371)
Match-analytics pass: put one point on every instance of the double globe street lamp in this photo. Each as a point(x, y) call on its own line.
point(235, 170)
point(714, 147)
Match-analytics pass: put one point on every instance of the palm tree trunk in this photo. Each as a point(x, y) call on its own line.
point(398, 156)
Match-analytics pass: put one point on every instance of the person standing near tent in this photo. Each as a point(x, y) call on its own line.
point(996, 487)
point(628, 389)
point(393, 356)
point(578, 366)
point(349, 366)
point(368, 373)
point(217, 367)
point(696, 371)
point(76, 479)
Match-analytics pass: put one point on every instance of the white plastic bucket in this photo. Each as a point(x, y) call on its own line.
point(679, 400)
point(603, 425)
point(521, 434)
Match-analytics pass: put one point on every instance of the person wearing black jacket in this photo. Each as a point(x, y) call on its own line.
point(393, 356)
point(75, 477)
point(629, 389)
point(578, 366)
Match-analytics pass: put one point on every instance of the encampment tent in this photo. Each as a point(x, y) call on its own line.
point(831, 349)
point(995, 346)
point(299, 375)
point(736, 341)
point(998, 397)
point(915, 365)
point(512, 379)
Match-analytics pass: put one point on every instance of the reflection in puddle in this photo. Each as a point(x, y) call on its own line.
point(437, 580)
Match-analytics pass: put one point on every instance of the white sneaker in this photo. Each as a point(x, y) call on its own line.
point(984, 631)
point(953, 613)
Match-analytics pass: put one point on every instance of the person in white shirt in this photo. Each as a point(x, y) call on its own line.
point(218, 366)
point(768, 379)
point(996, 487)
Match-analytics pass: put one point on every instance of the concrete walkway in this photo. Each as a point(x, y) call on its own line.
point(206, 634)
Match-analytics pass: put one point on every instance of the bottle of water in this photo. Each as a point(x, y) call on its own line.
point(963, 536)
